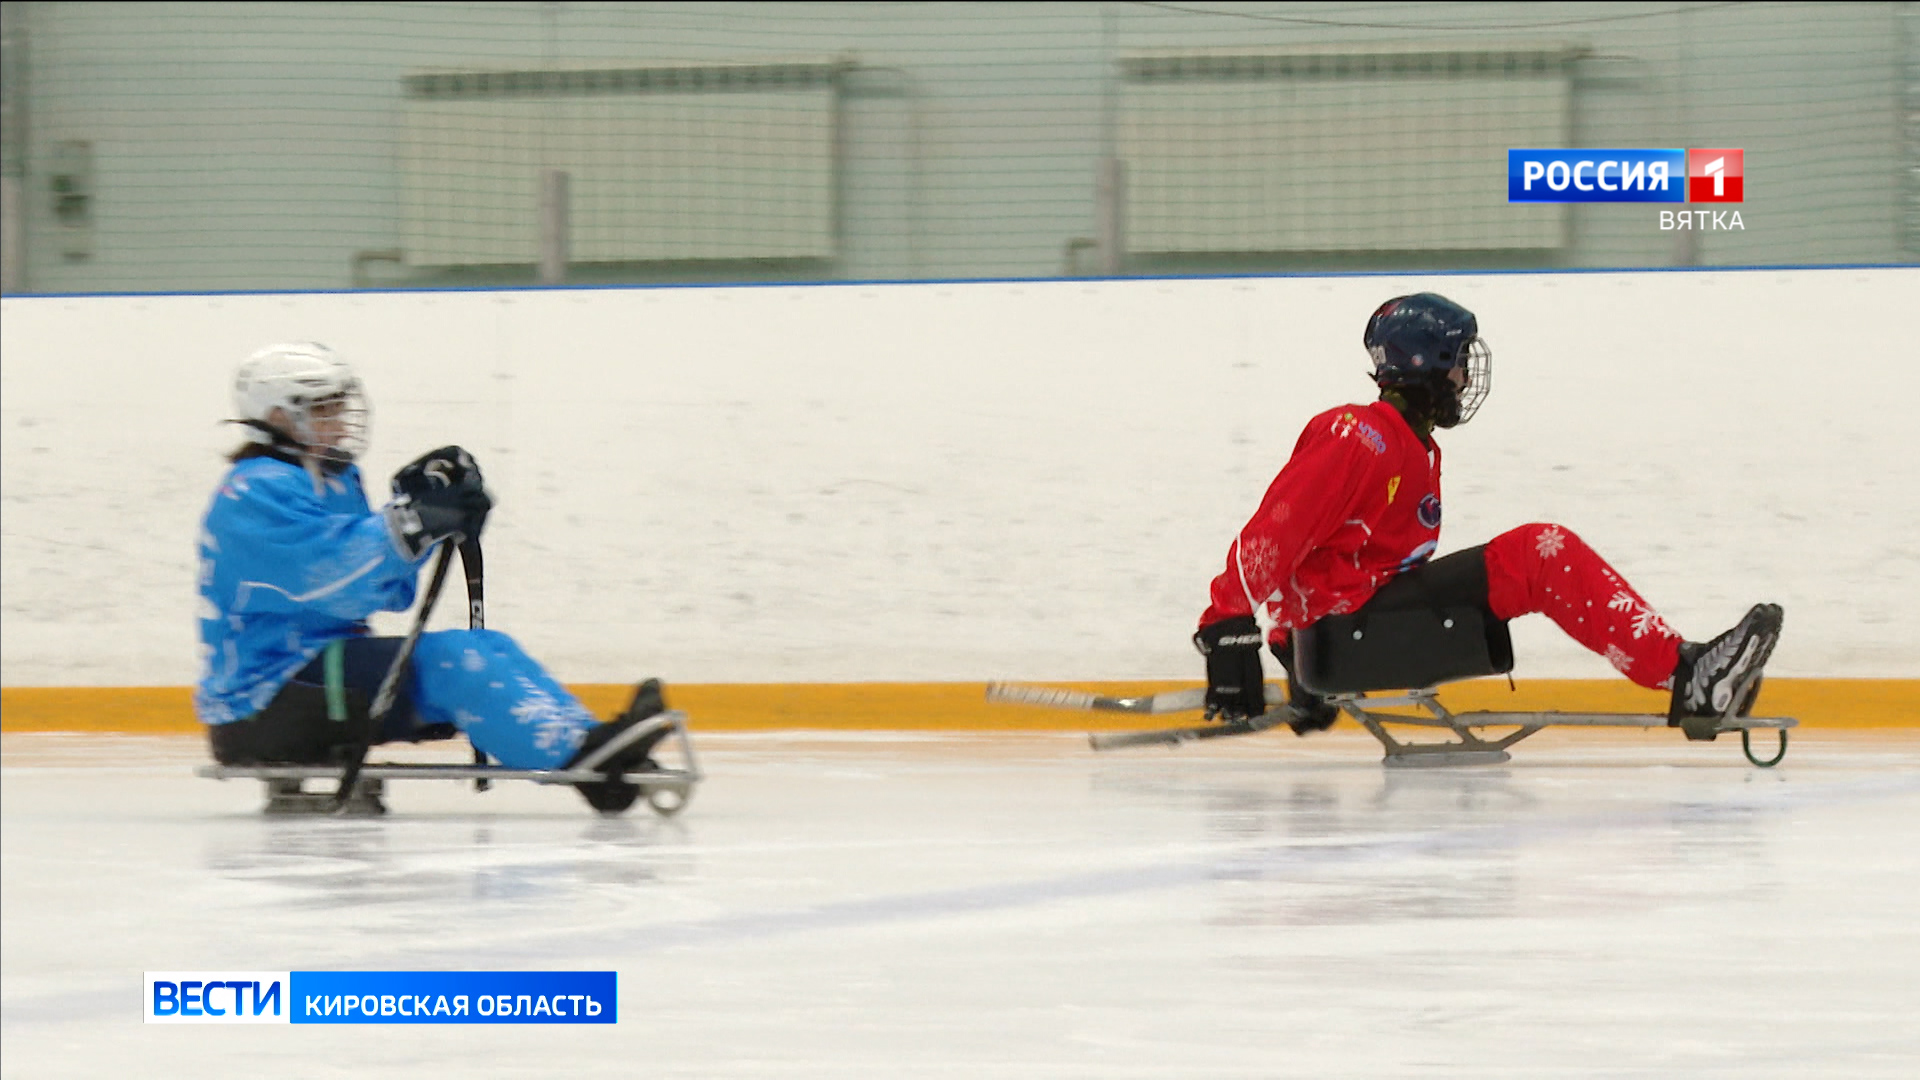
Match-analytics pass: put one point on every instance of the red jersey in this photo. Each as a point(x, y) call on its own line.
point(1358, 503)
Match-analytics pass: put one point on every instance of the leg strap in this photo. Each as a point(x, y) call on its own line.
point(335, 680)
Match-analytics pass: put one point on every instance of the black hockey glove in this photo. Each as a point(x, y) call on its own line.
point(438, 496)
point(1236, 683)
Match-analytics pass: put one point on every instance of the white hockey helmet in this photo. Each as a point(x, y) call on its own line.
point(321, 404)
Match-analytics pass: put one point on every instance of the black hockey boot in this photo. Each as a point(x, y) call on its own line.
point(1721, 678)
point(1310, 711)
point(622, 745)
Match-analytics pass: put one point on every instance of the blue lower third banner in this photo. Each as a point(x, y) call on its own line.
point(382, 997)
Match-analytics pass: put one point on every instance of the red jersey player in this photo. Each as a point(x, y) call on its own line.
point(1358, 505)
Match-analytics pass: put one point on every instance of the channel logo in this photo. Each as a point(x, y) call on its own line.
point(1716, 176)
point(218, 997)
point(1625, 176)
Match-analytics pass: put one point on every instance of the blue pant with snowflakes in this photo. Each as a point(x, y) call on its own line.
point(481, 682)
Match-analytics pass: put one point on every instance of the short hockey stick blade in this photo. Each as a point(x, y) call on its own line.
point(1171, 701)
point(1118, 740)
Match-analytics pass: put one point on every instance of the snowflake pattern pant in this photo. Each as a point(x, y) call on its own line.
point(483, 683)
point(1546, 569)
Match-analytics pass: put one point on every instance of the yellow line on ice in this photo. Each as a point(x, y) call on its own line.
point(1816, 703)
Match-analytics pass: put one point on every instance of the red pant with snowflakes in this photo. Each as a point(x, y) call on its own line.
point(1546, 569)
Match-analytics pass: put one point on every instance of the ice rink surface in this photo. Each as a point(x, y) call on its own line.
point(1010, 905)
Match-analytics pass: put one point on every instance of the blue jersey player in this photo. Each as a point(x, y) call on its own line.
point(293, 561)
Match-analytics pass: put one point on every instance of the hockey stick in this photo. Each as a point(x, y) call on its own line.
point(471, 563)
point(1171, 701)
point(474, 568)
point(390, 685)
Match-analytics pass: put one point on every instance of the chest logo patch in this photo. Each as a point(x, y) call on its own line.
point(1430, 511)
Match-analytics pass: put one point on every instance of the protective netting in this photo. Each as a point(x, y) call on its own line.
point(208, 146)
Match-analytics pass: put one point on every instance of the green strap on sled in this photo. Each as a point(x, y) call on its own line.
point(336, 680)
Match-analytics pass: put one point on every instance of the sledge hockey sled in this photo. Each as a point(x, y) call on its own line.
point(1351, 659)
point(666, 790)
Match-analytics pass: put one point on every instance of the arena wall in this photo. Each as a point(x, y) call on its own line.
point(777, 493)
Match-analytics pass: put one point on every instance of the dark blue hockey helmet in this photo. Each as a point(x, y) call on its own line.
point(1419, 341)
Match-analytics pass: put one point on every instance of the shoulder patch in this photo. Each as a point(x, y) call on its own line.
point(1348, 424)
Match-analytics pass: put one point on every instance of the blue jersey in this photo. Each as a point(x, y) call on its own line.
point(286, 567)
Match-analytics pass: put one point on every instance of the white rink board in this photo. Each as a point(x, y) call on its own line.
point(977, 481)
